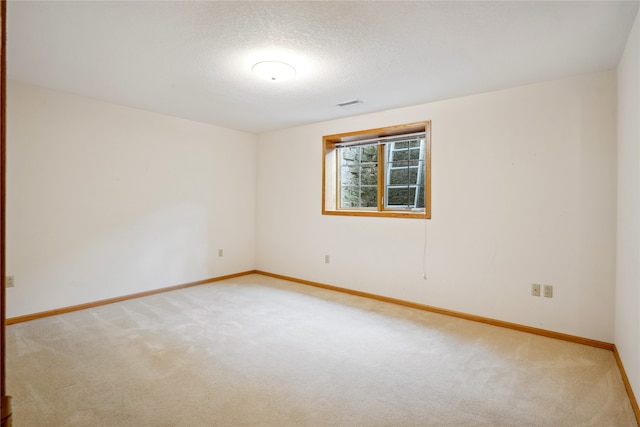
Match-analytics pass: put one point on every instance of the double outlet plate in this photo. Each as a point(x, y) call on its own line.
point(547, 289)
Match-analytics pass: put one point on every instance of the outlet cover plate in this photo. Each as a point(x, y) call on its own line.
point(535, 289)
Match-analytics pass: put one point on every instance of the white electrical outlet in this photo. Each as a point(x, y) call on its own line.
point(548, 291)
point(327, 259)
point(535, 289)
point(9, 282)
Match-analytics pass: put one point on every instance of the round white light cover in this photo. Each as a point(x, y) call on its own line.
point(274, 71)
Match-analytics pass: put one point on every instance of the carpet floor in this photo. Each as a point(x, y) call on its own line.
point(257, 351)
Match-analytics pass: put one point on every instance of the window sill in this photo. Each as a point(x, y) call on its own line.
point(383, 214)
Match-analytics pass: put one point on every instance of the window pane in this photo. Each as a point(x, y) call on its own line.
point(398, 176)
point(400, 196)
point(369, 197)
point(358, 176)
point(404, 174)
point(349, 156)
point(401, 155)
point(369, 153)
point(350, 197)
point(366, 175)
point(359, 197)
point(369, 175)
point(349, 174)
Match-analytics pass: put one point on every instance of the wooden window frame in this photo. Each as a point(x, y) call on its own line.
point(330, 191)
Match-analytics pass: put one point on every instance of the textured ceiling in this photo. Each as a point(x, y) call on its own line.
point(194, 59)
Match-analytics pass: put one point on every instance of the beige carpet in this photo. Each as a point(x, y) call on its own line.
point(256, 351)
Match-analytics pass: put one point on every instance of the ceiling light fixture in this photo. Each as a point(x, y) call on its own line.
point(274, 71)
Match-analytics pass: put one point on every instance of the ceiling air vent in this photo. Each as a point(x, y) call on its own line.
point(349, 103)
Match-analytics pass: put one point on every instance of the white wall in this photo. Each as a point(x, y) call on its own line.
point(105, 200)
point(627, 329)
point(523, 191)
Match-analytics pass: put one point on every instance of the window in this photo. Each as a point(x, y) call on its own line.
point(378, 172)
